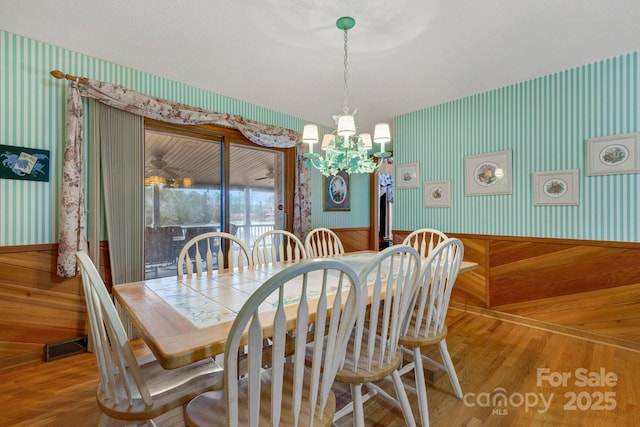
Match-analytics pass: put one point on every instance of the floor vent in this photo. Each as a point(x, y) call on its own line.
point(57, 350)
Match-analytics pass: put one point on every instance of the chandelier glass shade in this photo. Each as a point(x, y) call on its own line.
point(345, 150)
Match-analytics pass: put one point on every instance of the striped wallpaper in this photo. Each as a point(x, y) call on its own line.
point(32, 115)
point(545, 123)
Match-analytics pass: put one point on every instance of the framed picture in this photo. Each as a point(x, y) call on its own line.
point(556, 188)
point(408, 176)
point(24, 163)
point(336, 192)
point(437, 194)
point(488, 173)
point(610, 155)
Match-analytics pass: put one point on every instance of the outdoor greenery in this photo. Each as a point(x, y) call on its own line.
point(180, 206)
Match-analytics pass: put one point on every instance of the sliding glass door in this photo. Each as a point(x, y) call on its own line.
point(201, 182)
point(255, 191)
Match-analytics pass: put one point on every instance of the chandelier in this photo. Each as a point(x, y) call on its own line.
point(345, 150)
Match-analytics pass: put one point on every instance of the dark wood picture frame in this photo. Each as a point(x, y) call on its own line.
point(336, 192)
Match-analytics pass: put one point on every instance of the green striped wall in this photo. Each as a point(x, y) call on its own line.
point(32, 115)
point(545, 123)
point(358, 216)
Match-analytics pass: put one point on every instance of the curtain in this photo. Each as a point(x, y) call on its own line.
point(118, 138)
point(386, 180)
point(72, 219)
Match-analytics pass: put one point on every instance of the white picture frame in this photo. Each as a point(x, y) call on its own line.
point(610, 155)
point(437, 194)
point(559, 187)
point(408, 176)
point(488, 174)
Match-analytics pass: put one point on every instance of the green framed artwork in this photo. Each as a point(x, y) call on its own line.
point(24, 163)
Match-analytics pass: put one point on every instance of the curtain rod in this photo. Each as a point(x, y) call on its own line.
point(60, 75)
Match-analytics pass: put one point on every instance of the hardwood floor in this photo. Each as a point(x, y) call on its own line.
point(491, 354)
point(613, 312)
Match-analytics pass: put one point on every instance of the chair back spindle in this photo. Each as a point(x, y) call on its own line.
point(277, 246)
point(323, 242)
point(425, 240)
point(221, 250)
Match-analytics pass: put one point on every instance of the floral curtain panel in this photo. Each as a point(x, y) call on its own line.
point(73, 236)
point(72, 212)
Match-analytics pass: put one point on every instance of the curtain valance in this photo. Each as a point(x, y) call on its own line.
point(72, 211)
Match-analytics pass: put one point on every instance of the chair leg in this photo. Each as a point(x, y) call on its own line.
point(421, 387)
point(105, 420)
point(403, 399)
point(451, 370)
point(358, 410)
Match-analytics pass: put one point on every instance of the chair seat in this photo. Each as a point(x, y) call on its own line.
point(363, 373)
point(411, 340)
point(169, 388)
point(210, 409)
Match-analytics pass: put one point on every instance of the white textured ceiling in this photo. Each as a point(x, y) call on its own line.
point(287, 55)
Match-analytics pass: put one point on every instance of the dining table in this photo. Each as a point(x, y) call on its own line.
point(188, 319)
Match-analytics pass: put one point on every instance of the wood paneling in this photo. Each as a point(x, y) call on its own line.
point(354, 239)
point(471, 288)
point(526, 269)
point(37, 306)
point(520, 269)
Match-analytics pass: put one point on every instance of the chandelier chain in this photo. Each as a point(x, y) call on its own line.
point(346, 74)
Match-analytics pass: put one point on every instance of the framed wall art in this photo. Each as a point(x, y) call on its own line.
point(336, 192)
point(24, 163)
point(407, 176)
point(488, 173)
point(616, 154)
point(556, 188)
point(437, 194)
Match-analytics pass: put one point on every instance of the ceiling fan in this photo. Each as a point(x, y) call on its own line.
point(269, 175)
point(158, 166)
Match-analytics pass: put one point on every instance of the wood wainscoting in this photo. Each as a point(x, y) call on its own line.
point(520, 269)
point(36, 305)
point(354, 239)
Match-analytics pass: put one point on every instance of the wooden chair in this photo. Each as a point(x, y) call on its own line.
point(228, 251)
point(277, 246)
point(130, 389)
point(424, 240)
point(289, 393)
point(322, 242)
point(427, 325)
point(373, 353)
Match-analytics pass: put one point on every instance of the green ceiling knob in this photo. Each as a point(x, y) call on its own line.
point(345, 23)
